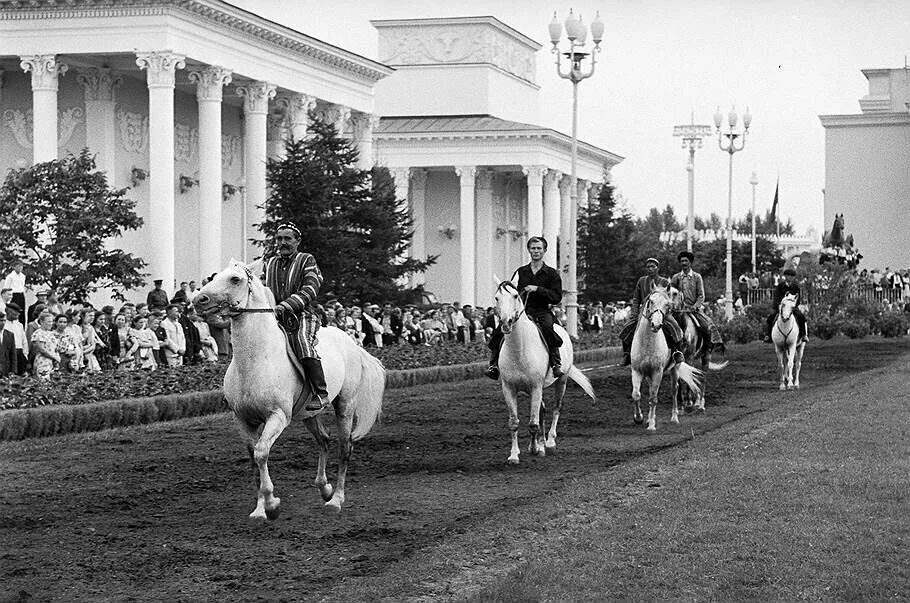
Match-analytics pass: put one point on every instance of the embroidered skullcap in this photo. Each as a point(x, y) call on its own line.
point(652, 260)
point(790, 271)
point(289, 226)
point(686, 254)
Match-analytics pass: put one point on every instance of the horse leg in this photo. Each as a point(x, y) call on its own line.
point(798, 364)
point(343, 423)
point(315, 427)
point(636, 397)
point(512, 403)
point(271, 505)
point(559, 390)
point(536, 445)
point(674, 412)
point(782, 365)
point(791, 353)
point(653, 389)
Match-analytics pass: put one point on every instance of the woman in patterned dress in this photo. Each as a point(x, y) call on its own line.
point(44, 344)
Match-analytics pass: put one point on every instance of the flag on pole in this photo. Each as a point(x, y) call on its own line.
point(774, 204)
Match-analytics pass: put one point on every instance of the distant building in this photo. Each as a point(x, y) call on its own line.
point(867, 170)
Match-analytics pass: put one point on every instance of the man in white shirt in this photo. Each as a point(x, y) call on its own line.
point(15, 282)
point(13, 312)
point(174, 345)
point(6, 296)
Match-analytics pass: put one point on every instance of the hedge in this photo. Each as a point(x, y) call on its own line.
point(61, 419)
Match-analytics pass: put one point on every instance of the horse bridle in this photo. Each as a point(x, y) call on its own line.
point(232, 309)
point(648, 316)
point(502, 287)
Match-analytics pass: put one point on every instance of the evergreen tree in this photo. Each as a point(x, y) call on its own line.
point(606, 258)
point(348, 218)
point(56, 216)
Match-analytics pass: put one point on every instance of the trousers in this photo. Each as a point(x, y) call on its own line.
point(545, 320)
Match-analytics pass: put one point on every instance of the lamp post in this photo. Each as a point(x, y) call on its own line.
point(576, 32)
point(754, 182)
point(731, 147)
point(691, 138)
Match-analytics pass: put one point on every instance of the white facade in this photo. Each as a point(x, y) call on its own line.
point(867, 170)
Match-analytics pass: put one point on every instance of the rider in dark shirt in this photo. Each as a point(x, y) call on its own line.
point(543, 287)
point(788, 285)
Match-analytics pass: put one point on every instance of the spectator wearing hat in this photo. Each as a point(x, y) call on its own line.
point(14, 326)
point(643, 288)
point(15, 282)
point(157, 297)
point(183, 294)
point(35, 310)
point(9, 359)
point(787, 286)
point(692, 288)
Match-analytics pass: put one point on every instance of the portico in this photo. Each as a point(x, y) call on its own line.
point(184, 121)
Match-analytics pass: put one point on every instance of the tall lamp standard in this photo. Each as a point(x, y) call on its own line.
point(731, 147)
point(754, 182)
point(576, 32)
point(691, 138)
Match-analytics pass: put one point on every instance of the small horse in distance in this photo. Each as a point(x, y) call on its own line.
point(524, 366)
point(262, 385)
point(651, 357)
point(787, 343)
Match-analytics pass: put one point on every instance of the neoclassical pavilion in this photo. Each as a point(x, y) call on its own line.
point(180, 99)
point(457, 130)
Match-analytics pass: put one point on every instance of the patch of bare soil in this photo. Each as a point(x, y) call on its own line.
point(160, 512)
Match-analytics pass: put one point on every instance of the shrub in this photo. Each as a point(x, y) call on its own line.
point(892, 324)
point(741, 329)
point(759, 311)
point(855, 328)
point(823, 326)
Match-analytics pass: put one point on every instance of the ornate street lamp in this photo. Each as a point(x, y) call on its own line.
point(731, 147)
point(576, 32)
point(691, 137)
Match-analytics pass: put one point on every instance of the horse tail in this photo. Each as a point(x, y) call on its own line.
point(368, 397)
point(583, 382)
point(691, 376)
point(718, 366)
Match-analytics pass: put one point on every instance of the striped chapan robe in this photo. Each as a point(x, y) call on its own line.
point(295, 282)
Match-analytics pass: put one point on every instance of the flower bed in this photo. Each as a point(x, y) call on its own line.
point(28, 392)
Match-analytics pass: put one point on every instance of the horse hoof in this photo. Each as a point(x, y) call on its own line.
point(638, 420)
point(272, 514)
point(513, 460)
point(326, 491)
point(551, 448)
point(258, 515)
point(674, 420)
point(652, 429)
point(783, 387)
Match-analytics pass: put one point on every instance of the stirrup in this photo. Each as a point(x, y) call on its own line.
point(678, 357)
point(316, 403)
point(492, 372)
point(557, 371)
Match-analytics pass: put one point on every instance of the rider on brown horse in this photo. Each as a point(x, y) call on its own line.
point(692, 288)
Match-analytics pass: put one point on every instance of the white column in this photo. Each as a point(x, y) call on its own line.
point(483, 293)
point(363, 126)
point(160, 69)
point(276, 129)
point(551, 205)
point(256, 97)
point(210, 83)
point(565, 200)
point(418, 192)
point(466, 176)
point(298, 114)
point(535, 174)
point(45, 72)
point(100, 121)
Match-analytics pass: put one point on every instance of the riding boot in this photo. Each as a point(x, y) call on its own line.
point(320, 398)
point(492, 371)
point(554, 363)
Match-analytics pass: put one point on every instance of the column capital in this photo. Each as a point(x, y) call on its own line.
point(363, 124)
point(99, 83)
point(418, 178)
point(210, 82)
point(484, 179)
point(553, 177)
point(402, 175)
point(466, 173)
point(583, 186)
point(44, 69)
point(565, 184)
point(161, 65)
point(339, 115)
point(534, 173)
point(297, 108)
point(256, 96)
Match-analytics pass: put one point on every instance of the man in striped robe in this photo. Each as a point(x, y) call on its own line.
point(294, 279)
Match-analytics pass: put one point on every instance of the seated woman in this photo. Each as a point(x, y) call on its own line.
point(44, 345)
point(433, 328)
point(68, 346)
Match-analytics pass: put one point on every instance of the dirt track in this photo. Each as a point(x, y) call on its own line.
point(160, 512)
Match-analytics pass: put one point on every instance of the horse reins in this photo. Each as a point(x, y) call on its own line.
point(524, 300)
point(233, 309)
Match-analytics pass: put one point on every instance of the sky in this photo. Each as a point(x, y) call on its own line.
point(665, 61)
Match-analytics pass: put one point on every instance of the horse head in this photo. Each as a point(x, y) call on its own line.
point(657, 306)
point(786, 306)
point(509, 305)
point(234, 289)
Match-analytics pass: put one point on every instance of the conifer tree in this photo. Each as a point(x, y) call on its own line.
point(349, 218)
point(605, 254)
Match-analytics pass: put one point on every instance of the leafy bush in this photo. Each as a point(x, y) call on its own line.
point(892, 324)
point(741, 329)
point(823, 326)
point(759, 311)
point(856, 328)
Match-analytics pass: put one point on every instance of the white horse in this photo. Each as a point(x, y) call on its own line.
point(787, 343)
point(524, 365)
point(262, 384)
point(651, 356)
